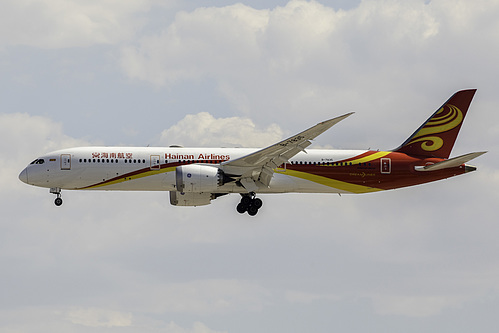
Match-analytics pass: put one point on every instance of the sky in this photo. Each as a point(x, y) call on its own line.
point(221, 73)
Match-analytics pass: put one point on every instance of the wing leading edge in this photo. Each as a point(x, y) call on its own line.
point(256, 169)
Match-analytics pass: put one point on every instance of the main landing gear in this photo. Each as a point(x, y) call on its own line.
point(57, 191)
point(249, 204)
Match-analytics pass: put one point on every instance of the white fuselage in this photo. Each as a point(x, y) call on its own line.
point(153, 168)
point(196, 176)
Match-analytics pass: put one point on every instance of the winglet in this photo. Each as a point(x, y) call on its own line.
point(313, 131)
point(436, 137)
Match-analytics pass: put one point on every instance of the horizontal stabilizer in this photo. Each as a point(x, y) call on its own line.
point(451, 163)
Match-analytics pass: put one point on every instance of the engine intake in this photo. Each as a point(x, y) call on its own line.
point(198, 178)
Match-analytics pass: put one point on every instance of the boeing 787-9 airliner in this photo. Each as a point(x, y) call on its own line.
point(196, 176)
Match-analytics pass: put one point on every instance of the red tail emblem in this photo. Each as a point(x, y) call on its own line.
point(436, 137)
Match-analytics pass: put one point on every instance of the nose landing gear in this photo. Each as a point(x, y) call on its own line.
point(57, 191)
point(249, 204)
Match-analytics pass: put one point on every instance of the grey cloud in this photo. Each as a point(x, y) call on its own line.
point(67, 23)
point(417, 259)
point(306, 54)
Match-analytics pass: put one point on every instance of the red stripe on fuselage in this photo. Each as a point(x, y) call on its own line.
point(402, 172)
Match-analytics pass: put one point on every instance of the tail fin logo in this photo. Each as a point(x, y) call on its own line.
point(446, 119)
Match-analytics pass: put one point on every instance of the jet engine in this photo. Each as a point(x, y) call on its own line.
point(198, 178)
point(190, 198)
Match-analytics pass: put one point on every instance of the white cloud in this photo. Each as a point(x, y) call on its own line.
point(200, 297)
point(197, 327)
point(89, 319)
point(69, 23)
point(204, 130)
point(96, 317)
point(306, 59)
point(202, 42)
point(33, 135)
point(106, 259)
point(25, 137)
point(304, 297)
point(413, 306)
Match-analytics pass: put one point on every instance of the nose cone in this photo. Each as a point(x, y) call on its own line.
point(23, 176)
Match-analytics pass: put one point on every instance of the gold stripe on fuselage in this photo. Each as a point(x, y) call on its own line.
point(128, 177)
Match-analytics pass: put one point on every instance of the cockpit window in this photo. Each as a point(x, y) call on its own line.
point(38, 161)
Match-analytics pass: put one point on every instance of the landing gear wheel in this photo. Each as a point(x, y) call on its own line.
point(258, 203)
point(246, 200)
point(56, 191)
point(252, 210)
point(241, 208)
point(249, 204)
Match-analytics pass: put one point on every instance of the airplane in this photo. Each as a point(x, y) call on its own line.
point(196, 176)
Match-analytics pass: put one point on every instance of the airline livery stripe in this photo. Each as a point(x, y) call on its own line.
point(337, 184)
point(370, 157)
point(130, 176)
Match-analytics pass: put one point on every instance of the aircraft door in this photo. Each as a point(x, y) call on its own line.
point(386, 165)
point(65, 162)
point(155, 163)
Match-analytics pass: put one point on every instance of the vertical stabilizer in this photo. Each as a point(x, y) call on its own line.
point(436, 137)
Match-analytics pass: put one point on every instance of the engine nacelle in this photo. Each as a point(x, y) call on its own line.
point(190, 198)
point(198, 178)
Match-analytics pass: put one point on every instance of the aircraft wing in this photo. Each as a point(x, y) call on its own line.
point(256, 169)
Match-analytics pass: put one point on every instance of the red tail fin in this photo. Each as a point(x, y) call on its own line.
point(436, 137)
